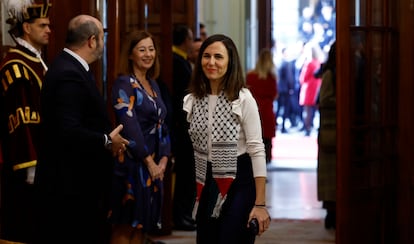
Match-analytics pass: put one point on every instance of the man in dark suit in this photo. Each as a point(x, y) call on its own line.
point(184, 191)
point(73, 176)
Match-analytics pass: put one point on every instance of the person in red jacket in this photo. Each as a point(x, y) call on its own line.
point(263, 85)
point(309, 89)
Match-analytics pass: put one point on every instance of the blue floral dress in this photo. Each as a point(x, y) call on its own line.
point(136, 198)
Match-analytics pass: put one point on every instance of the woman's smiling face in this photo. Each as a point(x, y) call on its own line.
point(143, 54)
point(215, 61)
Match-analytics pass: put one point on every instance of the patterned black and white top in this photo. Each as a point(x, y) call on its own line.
point(221, 130)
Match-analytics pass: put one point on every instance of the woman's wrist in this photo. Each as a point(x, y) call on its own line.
point(260, 203)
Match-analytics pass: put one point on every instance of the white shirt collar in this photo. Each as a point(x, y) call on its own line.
point(27, 45)
point(81, 60)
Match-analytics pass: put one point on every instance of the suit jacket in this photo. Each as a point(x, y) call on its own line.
point(181, 80)
point(73, 175)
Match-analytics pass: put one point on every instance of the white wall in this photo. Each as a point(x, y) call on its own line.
point(227, 17)
point(252, 37)
point(6, 39)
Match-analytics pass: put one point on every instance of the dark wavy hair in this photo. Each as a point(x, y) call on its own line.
point(125, 65)
point(233, 81)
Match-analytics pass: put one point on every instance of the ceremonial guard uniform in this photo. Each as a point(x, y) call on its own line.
point(22, 71)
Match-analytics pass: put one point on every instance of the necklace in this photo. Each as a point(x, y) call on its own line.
point(149, 91)
point(152, 98)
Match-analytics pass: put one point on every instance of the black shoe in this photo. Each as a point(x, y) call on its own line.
point(149, 241)
point(185, 224)
point(284, 130)
point(330, 220)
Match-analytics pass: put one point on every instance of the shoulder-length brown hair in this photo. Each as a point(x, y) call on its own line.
point(125, 65)
point(233, 81)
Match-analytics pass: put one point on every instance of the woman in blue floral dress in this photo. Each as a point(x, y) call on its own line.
point(138, 174)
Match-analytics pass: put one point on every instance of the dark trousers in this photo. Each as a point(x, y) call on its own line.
point(309, 116)
point(71, 219)
point(185, 186)
point(231, 226)
point(268, 149)
point(17, 211)
point(285, 102)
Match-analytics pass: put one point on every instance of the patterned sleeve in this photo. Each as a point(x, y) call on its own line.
point(123, 101)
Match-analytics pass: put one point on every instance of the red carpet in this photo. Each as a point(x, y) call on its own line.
point(294, 146)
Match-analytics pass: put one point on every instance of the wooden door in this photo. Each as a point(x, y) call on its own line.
point(157, 17)
point(404, 56)
point(374, 83)
point(59, 15)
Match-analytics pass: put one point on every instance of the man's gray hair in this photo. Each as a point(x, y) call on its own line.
point(80, 30)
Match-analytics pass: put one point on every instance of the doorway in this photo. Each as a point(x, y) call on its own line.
point(297, 26)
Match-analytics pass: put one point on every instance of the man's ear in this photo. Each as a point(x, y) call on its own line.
point(92, 41)
point(26, 27)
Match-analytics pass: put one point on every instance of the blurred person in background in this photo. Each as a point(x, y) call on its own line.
point(203, 31)
point(184, 189)
point(286, 88)
point(263, 85)
point(326, 168)
point(195, 49)
point(309, 89)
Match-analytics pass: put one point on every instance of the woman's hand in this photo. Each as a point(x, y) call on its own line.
point(163, 165)
point(156, 170)
point(263, 218)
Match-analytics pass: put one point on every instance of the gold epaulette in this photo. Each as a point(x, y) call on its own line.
point(12, 73)
point(24, 165)
point(16, 69)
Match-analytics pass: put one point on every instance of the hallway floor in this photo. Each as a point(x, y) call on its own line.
point(291, 194)
point(292, 187)
point(291, 191)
